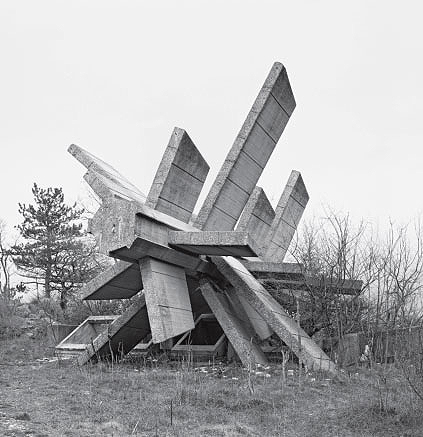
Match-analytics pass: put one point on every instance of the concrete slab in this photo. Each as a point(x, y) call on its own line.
point(111, 178)
point(273, 267)
point(120, 281)
point(228, 243)
point(121, 335)
point(249, 154)
point(238, 330)
point(257, 216)
point(279, 321)
point(179, 178)
point(167, 299)
point(288, 214)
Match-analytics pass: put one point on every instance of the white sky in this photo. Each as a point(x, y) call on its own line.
point(116, 77)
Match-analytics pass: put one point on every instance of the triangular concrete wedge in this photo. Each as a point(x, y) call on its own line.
point(179, 178)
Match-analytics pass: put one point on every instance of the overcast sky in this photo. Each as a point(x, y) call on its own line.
point(115, 77)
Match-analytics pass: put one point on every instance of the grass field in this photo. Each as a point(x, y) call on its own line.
point(41, 398)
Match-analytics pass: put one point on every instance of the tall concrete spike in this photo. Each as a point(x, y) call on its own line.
point(289, 211)
point(249, 154)
point(179, 178)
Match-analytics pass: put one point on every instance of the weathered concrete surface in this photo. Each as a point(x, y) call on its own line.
point(121, 336)
point(167, 299)
point(288, 214)
point(261, 328)
point(277, 318)
point(227, 243)
point(236, 327)
point(120, 281)
point(257, 216)
point(249, 154)
point(179, 178)
point(111, 178)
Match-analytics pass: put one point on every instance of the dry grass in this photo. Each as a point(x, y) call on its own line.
point(58, 399)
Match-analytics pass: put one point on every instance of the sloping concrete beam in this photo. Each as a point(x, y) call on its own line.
point(236, 327)
point(120, 281)
point(179, 178)
point(277, 318)
point(249, 154)
point(121, 336)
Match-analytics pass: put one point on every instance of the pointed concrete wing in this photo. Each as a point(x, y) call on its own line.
point(120, 281)
point(234, 324)
point(257, 216)
point(167, 298)
point(288, 214)
point(121, 336)
point(278, 319)
point(179, 178)
point(249, 154)
point(111, 181)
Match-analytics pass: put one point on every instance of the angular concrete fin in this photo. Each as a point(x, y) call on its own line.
point(290, 208)
point(257, 216)
point(179, 178)
point(167, 298)
point(121, 336)
point(249, 154)
point(106, 177)
point(237, 328)
point(120, 281)
point(275, 316)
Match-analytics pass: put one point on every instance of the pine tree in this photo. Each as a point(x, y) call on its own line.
point(55, 252)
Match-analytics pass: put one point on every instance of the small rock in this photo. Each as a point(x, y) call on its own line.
point(23, 416)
